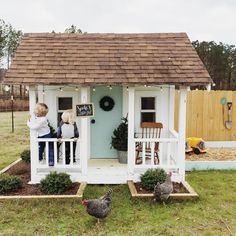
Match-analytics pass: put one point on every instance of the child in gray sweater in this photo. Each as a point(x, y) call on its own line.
point(67, 130)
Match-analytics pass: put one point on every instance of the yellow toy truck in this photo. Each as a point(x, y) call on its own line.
point(197, 145)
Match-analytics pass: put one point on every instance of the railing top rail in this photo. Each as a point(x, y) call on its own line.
point(174, 133)
point(164, 140)
point(55, 139)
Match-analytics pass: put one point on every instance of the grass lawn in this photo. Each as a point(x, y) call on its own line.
point(213, 214)
point(12, 144)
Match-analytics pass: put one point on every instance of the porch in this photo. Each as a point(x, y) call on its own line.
point(171, 150)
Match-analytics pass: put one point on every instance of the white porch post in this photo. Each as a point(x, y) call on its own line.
point(182, 131)
point(33, 144)
point(208, 87)
point(84, 136)
point(40, 94)
point(171, 116)
point(131, 143)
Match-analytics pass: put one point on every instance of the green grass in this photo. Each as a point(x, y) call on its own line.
point(12, 144)
point(210, 215)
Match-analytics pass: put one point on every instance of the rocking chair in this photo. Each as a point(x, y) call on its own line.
point(149, 130)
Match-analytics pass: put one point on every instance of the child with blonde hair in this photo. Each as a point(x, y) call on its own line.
point(39, 123)
point(68, 129)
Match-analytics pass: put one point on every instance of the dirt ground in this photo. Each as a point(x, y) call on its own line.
point(214, 154)
point(22, 170)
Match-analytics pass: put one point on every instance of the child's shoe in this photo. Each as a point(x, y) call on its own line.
point(51, 164)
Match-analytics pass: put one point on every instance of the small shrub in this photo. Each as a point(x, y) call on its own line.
point(25, 156)
point(151, 177)
point(9, 183)
point(55, 183)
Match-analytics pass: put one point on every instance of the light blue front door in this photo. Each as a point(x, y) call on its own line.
point(105, 122)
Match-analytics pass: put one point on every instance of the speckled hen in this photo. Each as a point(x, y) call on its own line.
point(163, 191)
point(99, 208)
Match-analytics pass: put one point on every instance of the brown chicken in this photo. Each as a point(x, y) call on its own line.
point(99, 208)
point(163, 191)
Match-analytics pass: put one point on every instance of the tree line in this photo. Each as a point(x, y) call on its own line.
point(219, 58)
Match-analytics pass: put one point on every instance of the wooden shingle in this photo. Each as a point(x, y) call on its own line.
point(86, 59)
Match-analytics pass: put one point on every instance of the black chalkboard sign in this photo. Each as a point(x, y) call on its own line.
point(85, 109)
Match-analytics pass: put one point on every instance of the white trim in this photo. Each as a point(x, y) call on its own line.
point(131, 143)
point(124, 101)
point(40, 94)
point(221, 144)
point(182, 131)
point(171, 115)
point(207, 165)
point(33, 144)
point(84, 136)
point(208, 87)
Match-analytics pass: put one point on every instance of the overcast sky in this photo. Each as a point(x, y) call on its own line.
point(201, 19)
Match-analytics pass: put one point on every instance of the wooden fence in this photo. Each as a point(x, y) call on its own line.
point(206, 116)
point(19, 103)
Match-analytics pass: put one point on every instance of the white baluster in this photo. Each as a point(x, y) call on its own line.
point(71, 152)
point(55, 152)
point(160, 153)
point(168, 153)
point(152, 146)
point(46, 153)
point(63, 153)
point(143, 153)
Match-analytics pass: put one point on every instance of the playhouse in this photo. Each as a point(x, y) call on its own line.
point(105, 77)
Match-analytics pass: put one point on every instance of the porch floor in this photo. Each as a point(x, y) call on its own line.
point(108, 171)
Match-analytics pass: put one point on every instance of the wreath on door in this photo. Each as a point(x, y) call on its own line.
point(107, 103)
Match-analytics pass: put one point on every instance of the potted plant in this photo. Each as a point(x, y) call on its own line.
point(120, 140)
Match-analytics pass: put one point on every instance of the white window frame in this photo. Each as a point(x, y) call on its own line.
point(61, 111)
point(147, 110)
point(151, 93)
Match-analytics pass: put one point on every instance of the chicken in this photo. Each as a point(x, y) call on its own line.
point(163, 191)
point(99, 208)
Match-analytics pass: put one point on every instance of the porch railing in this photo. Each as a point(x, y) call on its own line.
point(58, 147)
point(167, 152)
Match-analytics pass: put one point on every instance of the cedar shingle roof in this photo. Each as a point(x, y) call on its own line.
point(51, 58)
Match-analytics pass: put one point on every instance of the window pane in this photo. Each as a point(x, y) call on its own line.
point(64, 103)
point(148, 117)
point(148, 103)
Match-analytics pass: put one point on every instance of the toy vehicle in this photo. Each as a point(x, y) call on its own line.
point(197, 145)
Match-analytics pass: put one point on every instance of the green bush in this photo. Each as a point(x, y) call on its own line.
point(9, 183)
point(150, 178)
point(55, 183)
point(25, 156)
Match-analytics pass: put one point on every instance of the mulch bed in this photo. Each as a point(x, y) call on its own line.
point(22, 169)
point(178, 188)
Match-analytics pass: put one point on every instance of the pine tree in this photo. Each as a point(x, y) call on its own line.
point(120, 138)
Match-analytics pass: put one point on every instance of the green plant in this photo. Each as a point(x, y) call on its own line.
point(150, 178)
point(120, 138)
point(25, 156)
point(55, 183)
point(9, 183)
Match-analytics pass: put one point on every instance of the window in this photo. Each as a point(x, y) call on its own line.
point(148, 109)
point(64, 103)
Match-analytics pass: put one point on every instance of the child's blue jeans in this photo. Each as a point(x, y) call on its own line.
point(50, 151)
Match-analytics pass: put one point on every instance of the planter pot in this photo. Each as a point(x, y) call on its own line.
point(122, 156)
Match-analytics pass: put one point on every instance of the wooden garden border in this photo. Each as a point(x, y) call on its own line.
point(78, 195)
point(177, 196)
